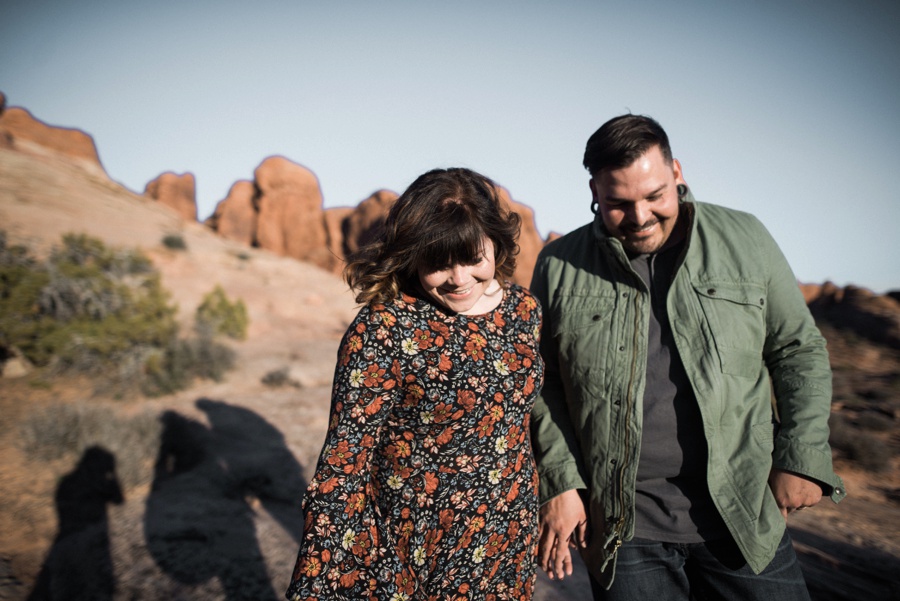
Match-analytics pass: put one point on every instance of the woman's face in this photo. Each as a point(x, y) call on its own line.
point(462, 288)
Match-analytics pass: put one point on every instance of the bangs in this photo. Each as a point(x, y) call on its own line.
point(454, 239)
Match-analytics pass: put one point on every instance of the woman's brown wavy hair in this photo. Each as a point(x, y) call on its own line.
point(440, 220)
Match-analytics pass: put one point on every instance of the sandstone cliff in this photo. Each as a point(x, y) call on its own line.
point(20, 131)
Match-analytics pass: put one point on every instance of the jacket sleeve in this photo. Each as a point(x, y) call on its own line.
point(556, 448)
point(798, 363)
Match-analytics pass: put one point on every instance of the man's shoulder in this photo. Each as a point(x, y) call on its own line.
point(712, 214)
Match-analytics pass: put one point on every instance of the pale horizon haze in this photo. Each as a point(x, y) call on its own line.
point(787, 110)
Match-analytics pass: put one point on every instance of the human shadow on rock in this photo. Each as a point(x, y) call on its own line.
point(79, 564)
point(208, 483)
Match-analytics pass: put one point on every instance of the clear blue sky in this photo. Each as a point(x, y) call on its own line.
point(787, 109)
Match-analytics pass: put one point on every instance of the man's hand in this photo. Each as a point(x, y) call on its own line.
point(792, 491)
point(563, 524)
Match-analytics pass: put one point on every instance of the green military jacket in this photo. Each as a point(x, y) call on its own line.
point(755, 359)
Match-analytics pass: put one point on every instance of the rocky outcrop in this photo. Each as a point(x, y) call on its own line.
point(530, 242)
point(335, 218)
point(20, 131)
point(872, 316)
point(175, 191)
point(280, 211)
point(290, 217)
point(366, 222)
point(235, 217)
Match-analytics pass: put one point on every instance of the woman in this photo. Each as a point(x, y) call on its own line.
point(426, 487)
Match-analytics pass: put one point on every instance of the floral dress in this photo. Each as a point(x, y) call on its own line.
point(426, 487)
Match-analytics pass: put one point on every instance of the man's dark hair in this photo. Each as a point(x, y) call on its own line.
point(621, 140)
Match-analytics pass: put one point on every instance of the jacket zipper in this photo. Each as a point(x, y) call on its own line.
point(620, 471)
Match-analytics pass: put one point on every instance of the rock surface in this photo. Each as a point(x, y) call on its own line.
point(19, 130)
point(178, 192)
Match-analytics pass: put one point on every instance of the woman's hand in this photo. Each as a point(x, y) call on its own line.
point(563, 524)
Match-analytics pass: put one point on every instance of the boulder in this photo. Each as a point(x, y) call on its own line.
point(235, 217)
point(530, 242)
point(366, 222)
point(335, 219)
point(290, 218)
point(177, 192)
point(869, 315)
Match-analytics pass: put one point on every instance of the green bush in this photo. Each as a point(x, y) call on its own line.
point(105, 313)
point(173, 368)
point(84, 307)
point(218, 315)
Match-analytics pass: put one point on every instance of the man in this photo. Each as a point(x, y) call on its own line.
point(685, 408)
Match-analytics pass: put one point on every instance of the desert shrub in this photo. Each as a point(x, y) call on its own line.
point(66, 431)
point(278, 378)
point(173, 368)
point(174, 242)
point(105, 313)
point(85, 307)
point(218, 315)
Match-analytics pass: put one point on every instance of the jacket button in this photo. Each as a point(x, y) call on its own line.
point(621, 348)
point(711, 291)
point(762, 301)
point(596, 318)
point(614, 461)
point(617, 402)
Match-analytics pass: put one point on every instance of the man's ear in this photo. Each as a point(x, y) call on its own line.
point(676, 171)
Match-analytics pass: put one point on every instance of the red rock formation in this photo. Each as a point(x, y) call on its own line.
point(21, 131)
point(366, 221)
point(869, 315)
point(530, 242)
point(175, 191)
point(335, 219)
point(290, 218)
point(235, 217)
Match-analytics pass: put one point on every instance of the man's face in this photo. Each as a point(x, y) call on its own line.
point(639, 203)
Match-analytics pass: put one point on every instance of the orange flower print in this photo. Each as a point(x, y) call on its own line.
point(312, 567)
point(340, 454)
point(426, 487)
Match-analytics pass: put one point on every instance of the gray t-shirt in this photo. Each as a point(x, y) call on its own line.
point(672, 501)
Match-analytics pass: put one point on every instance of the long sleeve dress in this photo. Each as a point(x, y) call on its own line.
point(426, 486)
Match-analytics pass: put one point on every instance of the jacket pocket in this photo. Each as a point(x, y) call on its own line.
point(736, 317)
point(582, 329)
point(574, 311)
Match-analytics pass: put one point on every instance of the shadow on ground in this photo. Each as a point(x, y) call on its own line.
point(208, 482)
point(79, 564)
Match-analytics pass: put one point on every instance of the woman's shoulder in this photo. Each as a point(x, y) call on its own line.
point(519, 293)
point(521, 302)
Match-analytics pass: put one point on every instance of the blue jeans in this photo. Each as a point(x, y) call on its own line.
point(649, 570)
